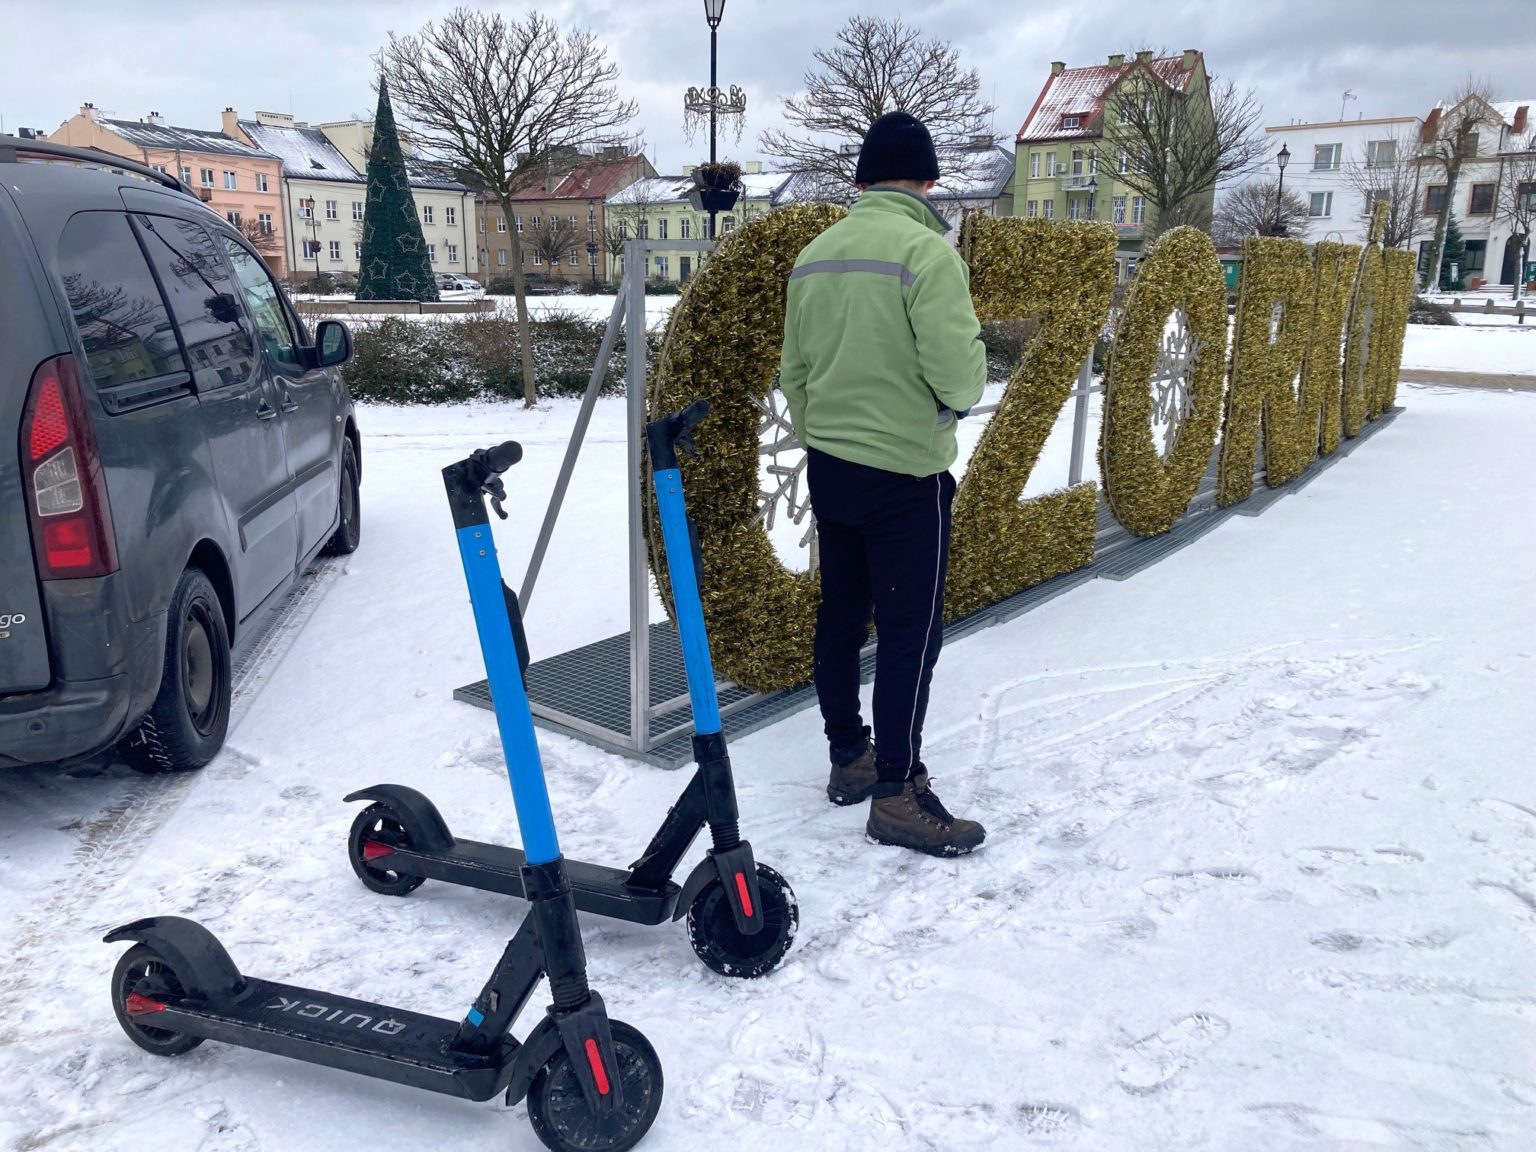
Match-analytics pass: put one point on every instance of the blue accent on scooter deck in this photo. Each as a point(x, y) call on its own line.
point(686, 602)
point(520, 746)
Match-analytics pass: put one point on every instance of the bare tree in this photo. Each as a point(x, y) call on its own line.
point(553, 244)
point(1254, 209)
point(259, 234)
point(492, 99)
point(1179, 145)
point(879, 65)
point(1517, 205)
point(1391, 172)
point(1454, 137)
point(615, 235)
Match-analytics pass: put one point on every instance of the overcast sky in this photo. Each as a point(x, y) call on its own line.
point(188, 61)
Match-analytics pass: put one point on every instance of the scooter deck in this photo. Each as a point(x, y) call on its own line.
point(497, 868)
point(355, 1035)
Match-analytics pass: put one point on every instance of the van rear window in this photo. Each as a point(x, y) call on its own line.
point(118, 309)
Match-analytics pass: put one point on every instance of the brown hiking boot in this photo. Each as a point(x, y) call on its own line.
point(915, 819)
point(853, 783)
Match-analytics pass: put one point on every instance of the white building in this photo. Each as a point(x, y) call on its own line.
point(1322, 160)
point(325, 195)
point(1501, 167)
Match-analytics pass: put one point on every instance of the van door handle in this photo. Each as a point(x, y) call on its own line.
point(265, 411)
point(289, 404)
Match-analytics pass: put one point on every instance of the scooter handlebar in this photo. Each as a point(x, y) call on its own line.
point(673, 431)
point(503, 456)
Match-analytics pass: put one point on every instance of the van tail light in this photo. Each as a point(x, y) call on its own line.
point(61, 468)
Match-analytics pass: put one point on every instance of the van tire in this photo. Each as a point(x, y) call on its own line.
point(185, 727)
point(349, 527)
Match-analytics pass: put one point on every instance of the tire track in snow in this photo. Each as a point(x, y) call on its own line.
point(113, 841)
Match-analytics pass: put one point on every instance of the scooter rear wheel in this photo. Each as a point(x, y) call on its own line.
point(721, 945)
point(379, 824)
point(558, 1109)
point(140, 966)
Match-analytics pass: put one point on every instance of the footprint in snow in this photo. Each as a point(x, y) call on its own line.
point(1152, 1062)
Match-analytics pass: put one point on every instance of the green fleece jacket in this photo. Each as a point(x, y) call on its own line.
point(881, 344)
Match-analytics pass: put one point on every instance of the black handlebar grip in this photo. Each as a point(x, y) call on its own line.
point(503, 456)
point(665, 434)
point(691, 416)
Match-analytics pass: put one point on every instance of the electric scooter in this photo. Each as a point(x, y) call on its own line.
point(742, 915)
point(592, 1084)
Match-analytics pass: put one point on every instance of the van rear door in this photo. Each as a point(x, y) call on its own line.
point(29, 337)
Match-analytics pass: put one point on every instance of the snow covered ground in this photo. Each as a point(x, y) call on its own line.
point(1261, 870)
point(1502, 349)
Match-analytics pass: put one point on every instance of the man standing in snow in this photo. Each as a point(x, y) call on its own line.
point(882, 354)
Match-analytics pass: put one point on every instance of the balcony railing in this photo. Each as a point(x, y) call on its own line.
point(1073, 183)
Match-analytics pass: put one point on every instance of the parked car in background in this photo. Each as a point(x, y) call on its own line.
point(450, 283)
point(175, 450)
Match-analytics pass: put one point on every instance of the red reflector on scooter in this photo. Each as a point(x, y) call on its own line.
point(746, 897)
point(142, 1005)
point(372, 850)
point(595, 1059)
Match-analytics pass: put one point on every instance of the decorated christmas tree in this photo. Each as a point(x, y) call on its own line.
point(394, 264)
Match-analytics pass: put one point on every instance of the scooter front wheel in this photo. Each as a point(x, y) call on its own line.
point(724, 948)
point(559, 1113)
point(143, 973)
point(380, 826)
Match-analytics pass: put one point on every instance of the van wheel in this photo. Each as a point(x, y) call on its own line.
point(185, 727)
point(349, 531)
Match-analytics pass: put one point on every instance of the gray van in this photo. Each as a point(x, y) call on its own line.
point(174, 452)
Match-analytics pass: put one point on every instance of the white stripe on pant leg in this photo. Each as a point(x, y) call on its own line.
point(938, 558)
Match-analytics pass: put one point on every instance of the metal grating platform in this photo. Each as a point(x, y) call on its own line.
point(584, 692)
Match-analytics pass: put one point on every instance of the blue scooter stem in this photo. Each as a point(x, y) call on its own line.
point(685, 599)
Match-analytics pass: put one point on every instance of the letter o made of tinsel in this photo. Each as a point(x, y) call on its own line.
point(722, 345)
point(1146, 492)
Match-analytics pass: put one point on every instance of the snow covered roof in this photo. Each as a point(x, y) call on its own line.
point(306, 153)
point(986, 180)
point(594, 178)
point(674, 189)
point(164, 136)
point(1080, 92)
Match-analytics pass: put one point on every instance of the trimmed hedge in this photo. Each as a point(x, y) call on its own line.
point(452, 361)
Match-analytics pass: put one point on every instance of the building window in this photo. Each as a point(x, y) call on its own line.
point(450, 216)
point(1434, 199)
point(662, 267)
point(501, 257)
point(1374, 197)
point(728, 225)
point(575, 258)
point(311, 249)
point(233, 218)
point(643, 230)
point(661, 229)
point(206, 177)
point(1123, 163)
point(432, 253)
point(685, 228)
point(537, 224)
point(501, 223)
point(426, 213)
point(1380, 153)
point(1071, 121)
point(1118, 209)
point(229, 181)
point(1048, 209)
point(330, 210)
point(357, 209)
point(1525, 196)
point(160, 168)
point(538, 258)
point(592, 257)
point(517, 221)
point(1322, 204)
point(264, 222)
point(1077, 161)
point(357, 250)
point(1074, 207)
point(186, 175)
point(1034, 165)
point(1050, 164)
point(572, 222)
point(306, 209)
point(336, 250)
point(1473, 259)
point(453, 253)
point(623, 229)
point(480, 224)
point(1138, 210)
point(1325, 157)
point(1469, 146)
point(1482, 200)
point(261, 181)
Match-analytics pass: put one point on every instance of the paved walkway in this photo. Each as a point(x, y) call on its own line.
point(1499, 381)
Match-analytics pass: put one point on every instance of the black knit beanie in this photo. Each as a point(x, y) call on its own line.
point(897, 147)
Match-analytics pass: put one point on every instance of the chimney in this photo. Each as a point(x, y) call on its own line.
point(231, 126)
point(1190, 56)
point(1057, 67)
point(1522, 117)
point(1144, 54)
point(1431, 126)
point(88, 110)
point(753, 167)
point(1117, 60)
point(154, 118)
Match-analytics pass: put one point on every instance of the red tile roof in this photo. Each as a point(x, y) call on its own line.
point(594, 179)
point(1080, 92)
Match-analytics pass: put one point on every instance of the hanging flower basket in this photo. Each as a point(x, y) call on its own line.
point(713, 200)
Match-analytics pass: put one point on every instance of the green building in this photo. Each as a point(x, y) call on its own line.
point(1068, 164)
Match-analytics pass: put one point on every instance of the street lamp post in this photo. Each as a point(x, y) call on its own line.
point(592, 259)
point(1282, 159)
point(713, 11)
point(1093, 197)
point(314, 231)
